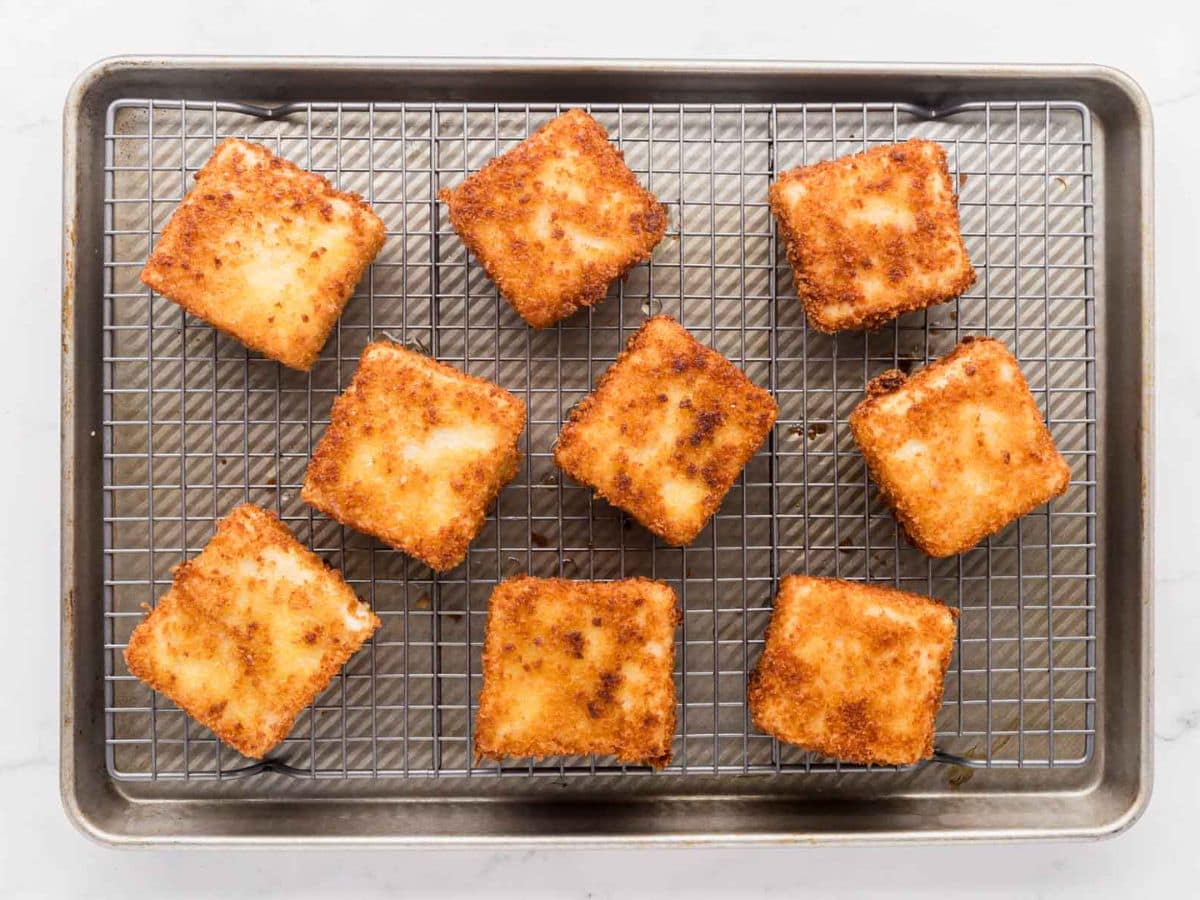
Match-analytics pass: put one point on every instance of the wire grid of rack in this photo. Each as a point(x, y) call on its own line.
point(194, 424)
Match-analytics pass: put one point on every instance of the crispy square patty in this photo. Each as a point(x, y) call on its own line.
point(265, 251)
point(250, 632)
point(667, 431)
point(577, 667)
point(873, 235)
point(557, 219)
point(853, 671)
point(415, 453)
point(959, 449)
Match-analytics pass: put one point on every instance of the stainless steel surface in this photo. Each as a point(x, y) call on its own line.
point(189, 424)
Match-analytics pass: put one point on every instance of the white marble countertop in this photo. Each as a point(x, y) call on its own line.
point(46, 45)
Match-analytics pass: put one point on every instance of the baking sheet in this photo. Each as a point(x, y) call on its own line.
point(190, 421)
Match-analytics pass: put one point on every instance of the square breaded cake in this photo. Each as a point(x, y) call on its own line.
point(577, 667)
point(668, 429)
point(557, 219)
point(415, 453)
point(873, 235)
point(853, 671)
point(958, 449)
point(265, 251)
point(250, 632)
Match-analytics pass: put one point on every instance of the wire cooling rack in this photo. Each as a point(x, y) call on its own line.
point(194, 424)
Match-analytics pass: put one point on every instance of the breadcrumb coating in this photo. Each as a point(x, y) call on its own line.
point(557, 219)
point(576, 667)
point(668, 429)
point(873, 235)
point(959, 449)
point(250, 632)
point(853, 671)
point(415, 453)
point(265, 251)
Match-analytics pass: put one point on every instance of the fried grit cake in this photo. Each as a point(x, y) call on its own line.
point(668, 429)
point(575, 667)
point(557, 219)
point(853, 671)
point(250, 632)
point(265, 251)
point(415, 453)
point(873, 235)
point(959, 449)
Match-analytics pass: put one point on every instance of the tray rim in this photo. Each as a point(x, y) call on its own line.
point(119, 826)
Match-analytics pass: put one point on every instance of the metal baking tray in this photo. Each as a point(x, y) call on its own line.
point(1044, 731)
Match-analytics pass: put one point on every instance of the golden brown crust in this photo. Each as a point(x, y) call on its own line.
point(576, 667)
point(959, 449)
point(668, 429)
point(557, 219)
point(265, 251)
point(873, 235)
point(853, 671)
point(415, 453)
point(250, 632)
